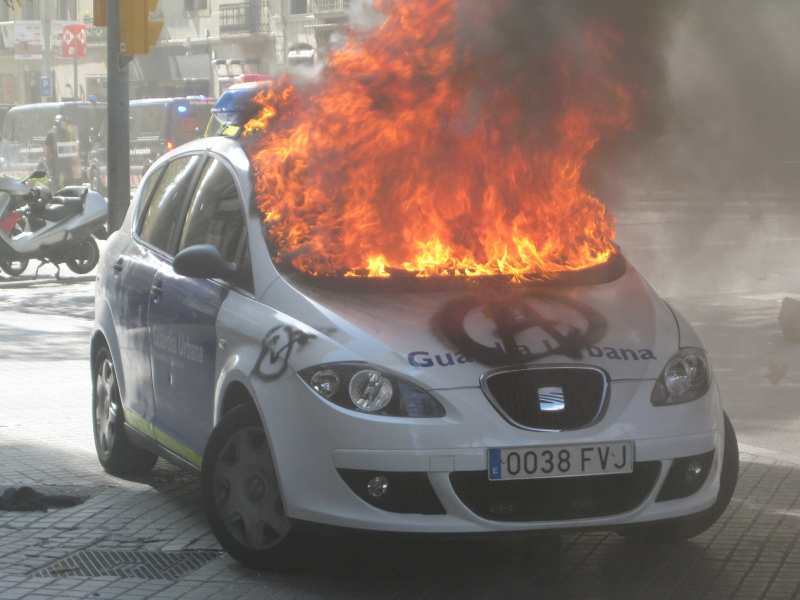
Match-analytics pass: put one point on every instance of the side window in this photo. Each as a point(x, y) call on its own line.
point(159, 225)
point(215, 217)
point(148, 184)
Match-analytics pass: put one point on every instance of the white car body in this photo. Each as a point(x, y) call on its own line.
point(289, 324)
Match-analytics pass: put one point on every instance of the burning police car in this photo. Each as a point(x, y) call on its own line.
point(413, 406)
point(388, 308)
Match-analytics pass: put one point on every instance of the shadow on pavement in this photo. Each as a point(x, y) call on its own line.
point(754, 548)
point(25, 337)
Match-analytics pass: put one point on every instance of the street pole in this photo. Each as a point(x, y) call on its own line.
point(46, 62)
point(118, 139)
point(75, 94)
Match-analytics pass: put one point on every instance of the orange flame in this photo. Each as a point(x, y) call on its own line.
point(395, 161)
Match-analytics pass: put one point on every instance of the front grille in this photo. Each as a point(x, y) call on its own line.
point(555, 499)
point(551, 398)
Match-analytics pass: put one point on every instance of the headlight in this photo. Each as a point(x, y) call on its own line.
point(370, 390)
point(684, 378)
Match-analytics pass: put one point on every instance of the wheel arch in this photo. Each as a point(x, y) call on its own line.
point(103, 335)
point(234, 391)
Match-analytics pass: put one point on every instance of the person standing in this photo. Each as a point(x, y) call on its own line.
point(62, 154)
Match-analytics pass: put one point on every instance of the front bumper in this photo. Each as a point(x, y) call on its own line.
point(313, 440)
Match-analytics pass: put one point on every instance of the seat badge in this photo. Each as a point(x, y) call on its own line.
point(551, 399)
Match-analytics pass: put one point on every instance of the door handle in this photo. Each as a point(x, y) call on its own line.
point(155, 290)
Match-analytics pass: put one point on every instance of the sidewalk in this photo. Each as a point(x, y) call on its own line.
point(156, 533)
point(149, 539)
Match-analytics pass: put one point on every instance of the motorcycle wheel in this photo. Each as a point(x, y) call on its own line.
point(84, 258)
point(15, 268)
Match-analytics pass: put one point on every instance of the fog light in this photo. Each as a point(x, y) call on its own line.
point(686, 476)
point(694, 470)
point(378, 486)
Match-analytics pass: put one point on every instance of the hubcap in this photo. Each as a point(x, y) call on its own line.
point(85, 255)
point(246, 491)
point(107, 408)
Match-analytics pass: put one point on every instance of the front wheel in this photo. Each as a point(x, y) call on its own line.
point(240, 493)
point(15, 268)
point(85, 257)
point(683, 528)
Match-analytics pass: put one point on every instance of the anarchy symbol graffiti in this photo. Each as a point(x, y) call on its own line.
point(513, 317)
point(276, 350)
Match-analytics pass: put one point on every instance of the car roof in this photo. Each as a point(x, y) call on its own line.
point(229, 148)
point(56, 105)
point(190, 99)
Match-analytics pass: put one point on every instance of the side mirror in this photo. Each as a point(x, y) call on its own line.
point(203, 261)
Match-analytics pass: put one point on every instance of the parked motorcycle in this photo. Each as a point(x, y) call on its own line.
point(52, 229)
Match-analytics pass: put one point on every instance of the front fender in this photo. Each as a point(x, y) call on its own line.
point(104, 332)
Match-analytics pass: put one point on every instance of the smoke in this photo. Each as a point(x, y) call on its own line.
point(527, 44)
point(733, 85)
point(715, 84)
point(552, 52)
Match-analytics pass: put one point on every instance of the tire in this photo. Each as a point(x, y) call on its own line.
point(683, 528)
point(85, 257)
point(115, 452)
point(241, 495)
point(15, 268)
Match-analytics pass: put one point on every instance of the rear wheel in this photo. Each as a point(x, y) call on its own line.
point(241, 495)
point(84, 257)
point(683, 528)
point(15, 268)
point(115, 452)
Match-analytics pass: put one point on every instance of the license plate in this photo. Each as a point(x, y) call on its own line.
point(542, 462)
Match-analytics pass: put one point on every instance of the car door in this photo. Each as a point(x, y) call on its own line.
point(184, 312)
point(154, 239)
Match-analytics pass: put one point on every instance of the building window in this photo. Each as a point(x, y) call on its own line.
point(67, 10)
point(30, 10)
point(195, 5)
point(298, 7)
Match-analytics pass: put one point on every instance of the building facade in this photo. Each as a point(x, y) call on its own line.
point(33, 67)
point(256, 36)
point(205, 45)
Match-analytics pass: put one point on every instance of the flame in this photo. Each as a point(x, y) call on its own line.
point(398, 160)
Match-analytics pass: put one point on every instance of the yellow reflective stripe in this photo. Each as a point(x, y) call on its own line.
point(145, 427)
point(231, 130)
point(139, 423)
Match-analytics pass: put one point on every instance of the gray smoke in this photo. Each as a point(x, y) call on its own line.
point(716, 82)
point(733, 84)
point(523, 45)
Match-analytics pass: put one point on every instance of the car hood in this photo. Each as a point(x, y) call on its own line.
point(450, 338)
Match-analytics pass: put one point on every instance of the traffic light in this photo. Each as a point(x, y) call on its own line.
point(137, 32)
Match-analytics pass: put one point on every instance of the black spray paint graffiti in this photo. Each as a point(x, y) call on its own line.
point(276, 349)
point(512, 318)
